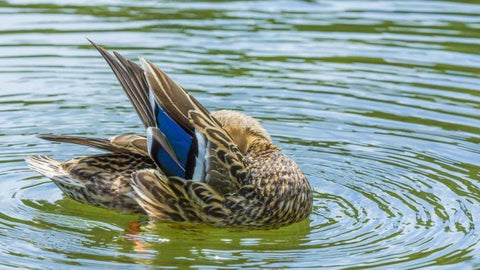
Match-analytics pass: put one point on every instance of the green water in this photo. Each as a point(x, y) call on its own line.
point(379, 103)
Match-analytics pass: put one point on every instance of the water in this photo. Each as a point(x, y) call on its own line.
point(378, 102)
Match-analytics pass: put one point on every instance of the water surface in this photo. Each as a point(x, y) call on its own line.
point(379, 103)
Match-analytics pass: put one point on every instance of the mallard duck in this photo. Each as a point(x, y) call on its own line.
point(219, 168)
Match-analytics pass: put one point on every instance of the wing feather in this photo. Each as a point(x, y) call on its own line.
point(171, 96)
point(218, 160)
point(207, 153)
point(130, 143)
point(132, 79)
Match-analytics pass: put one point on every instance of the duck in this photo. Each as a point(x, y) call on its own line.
point(191, 166)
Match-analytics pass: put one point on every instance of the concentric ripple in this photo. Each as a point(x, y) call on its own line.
point(378, 102)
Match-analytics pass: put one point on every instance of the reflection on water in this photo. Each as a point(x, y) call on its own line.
point(379, 104)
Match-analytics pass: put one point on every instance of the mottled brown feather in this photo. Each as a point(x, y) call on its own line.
point(223, 155)
point(100, 180)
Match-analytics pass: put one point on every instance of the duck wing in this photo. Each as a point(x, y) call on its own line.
point(133, 80)
point(218, 161)
point(183, 138)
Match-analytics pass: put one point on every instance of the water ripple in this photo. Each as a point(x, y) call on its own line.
point(378, 104)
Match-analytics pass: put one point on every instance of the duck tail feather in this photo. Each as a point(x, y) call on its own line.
point(54, 170)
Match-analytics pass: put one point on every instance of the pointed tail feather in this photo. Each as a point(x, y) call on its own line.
point(53, 169)
point(105, 189)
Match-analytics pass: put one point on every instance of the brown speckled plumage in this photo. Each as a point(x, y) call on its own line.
point(241, 179)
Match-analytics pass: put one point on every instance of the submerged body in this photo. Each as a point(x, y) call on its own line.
point(219, 168)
